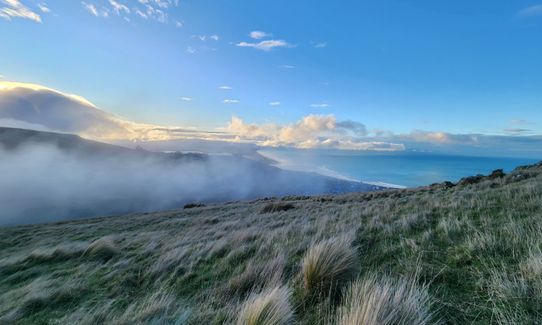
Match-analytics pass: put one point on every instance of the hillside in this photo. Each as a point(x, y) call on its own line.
point(449, 253)
point(54, 176)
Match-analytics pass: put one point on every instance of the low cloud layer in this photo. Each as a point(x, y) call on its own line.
point(42, 183)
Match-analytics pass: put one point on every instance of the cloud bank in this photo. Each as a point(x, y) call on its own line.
point(41, 108)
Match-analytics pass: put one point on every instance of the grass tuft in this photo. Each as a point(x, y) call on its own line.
point(103, 249)
point(328, 266)
point(271, 307)
point(374, 301)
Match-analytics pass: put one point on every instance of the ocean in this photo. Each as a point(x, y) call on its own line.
point(394, 169)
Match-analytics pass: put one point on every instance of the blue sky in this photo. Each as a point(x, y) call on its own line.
point(460, 67)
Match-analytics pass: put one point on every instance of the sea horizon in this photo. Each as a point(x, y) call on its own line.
point(405, 169)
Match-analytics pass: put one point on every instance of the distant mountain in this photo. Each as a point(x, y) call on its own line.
point(46, 176)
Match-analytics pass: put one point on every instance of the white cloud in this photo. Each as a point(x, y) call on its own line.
point(257, 34)
point(44, 8)
point(274, 103)
point(287, 66)
point(531, 11)
point(320, 45)
point(266, 45)
point(191, 50)
point(319, 105)
point(230, 101)
point(225, 88)
point(156, 10)
point(312, 131)
point(93, 10)
point(187, 99)
point(16, 9)
point(204, 38)
point(119, 8)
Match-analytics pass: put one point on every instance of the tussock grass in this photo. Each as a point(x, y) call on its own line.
point(476, 246)
point(271, 307)
point(327, 266)
point(383, 301)
point(102, 249)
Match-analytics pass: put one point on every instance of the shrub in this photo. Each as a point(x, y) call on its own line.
point(193, 205)
point(271, 307)
point(374, 301)
point(328, 266)
point(277, 207)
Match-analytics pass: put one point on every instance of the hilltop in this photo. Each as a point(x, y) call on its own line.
point(451, 253)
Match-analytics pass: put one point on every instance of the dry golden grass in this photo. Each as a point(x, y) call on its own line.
point(327, 266)
point(271, 307)
point(382, 301)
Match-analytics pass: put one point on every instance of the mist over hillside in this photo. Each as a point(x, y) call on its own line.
point(48, 177)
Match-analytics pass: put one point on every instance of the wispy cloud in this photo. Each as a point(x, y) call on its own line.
point(16, 9)
point(156, 10)
point(44, 8)
point(118, 7)
point(230, 101)
point(257, 34)
point(519, 122)
point(187, 99)
point(204, 38)
point(320, 45)
point(266, 45)
point(93, 10)
point(531, 11)
point(319, 105)
point(286, 66)
point(274, 104)
point(225, 88)
point(191, 50)
point(516, 131)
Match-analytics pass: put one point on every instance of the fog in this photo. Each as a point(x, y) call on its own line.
point(42, 183)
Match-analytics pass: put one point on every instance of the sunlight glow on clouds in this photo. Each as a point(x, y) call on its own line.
point(312, 131)
point(37, 107)
point(16, 9)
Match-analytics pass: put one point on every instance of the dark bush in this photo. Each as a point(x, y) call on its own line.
point(498, 173)
point(193, 205)
point(276, 207)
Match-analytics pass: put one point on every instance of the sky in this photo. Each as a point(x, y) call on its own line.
point(386, 67)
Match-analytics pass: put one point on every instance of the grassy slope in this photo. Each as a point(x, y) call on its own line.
point(477, 247)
